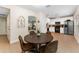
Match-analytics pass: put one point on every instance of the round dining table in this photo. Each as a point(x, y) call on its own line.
point(43, 38)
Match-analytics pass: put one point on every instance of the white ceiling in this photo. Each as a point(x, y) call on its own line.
point(53, 10)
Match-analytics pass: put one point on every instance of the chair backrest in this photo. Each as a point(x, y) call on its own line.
point(51, 47)
point(21, 41)
point(32, 33)
point(49, 34)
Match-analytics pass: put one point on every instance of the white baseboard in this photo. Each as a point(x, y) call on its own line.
point(14, 41)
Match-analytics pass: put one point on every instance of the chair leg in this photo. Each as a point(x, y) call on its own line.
point(23, 52)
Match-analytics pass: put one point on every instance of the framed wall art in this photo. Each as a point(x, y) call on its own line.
point(21, 22)
point(32, 23)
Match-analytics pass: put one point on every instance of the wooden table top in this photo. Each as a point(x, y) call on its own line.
point(43, 38)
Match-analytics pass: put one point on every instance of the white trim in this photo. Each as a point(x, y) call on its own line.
point(14, 41)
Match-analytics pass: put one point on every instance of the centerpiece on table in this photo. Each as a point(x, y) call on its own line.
point(38, 33)
point(38, 27)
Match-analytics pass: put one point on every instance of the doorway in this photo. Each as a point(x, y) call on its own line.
point(57, 27)
point(4, 24)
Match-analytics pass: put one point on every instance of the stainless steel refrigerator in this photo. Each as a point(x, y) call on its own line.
point(69, 27)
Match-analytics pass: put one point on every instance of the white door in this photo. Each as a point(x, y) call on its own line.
point(8, 27)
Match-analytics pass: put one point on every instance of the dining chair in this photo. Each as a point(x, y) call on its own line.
point(24, 46)
point(48, 33)
point(50, 48)
point(50, 37)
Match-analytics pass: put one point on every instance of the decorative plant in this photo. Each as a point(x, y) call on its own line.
point(38, 31)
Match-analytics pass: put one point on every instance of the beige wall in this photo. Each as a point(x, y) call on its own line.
point(76, 24)
point(15, 13)
point(43, 20)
